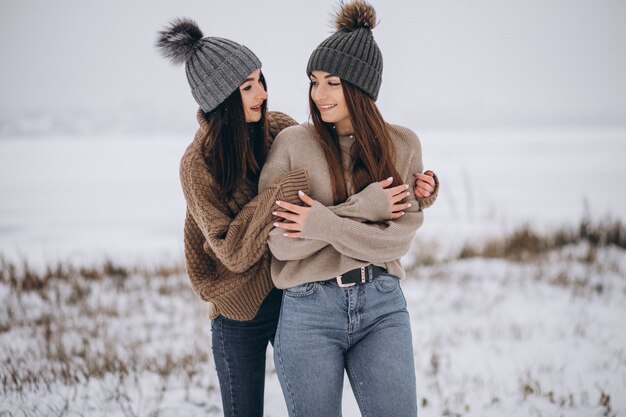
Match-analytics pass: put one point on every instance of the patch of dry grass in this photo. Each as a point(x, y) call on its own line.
point(63, 325)
point(531, 387)
point(525, 244)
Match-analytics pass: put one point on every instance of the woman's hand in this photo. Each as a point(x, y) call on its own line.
point(298, 215)
point(395, 195)
point(425, 184)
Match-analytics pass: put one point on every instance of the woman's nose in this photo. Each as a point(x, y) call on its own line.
point(262, 94)
point(318, 93)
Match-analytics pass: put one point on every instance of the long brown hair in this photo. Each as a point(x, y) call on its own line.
point(233, 149)
point(373, 150)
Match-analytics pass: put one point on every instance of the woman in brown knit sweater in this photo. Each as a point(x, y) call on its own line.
point(227, 223)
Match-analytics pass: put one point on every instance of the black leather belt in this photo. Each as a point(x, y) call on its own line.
point(360, 275)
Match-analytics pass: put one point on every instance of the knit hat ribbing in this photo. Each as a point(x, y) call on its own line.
point(215, 67)
point(352, 53)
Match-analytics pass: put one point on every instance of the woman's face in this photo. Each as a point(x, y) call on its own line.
point(253, 95)
point(327, 94)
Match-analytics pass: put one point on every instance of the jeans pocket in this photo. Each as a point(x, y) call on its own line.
point(387, 283)
point(301, 290)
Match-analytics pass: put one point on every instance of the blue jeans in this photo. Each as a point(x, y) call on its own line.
point(364, 329)
point(239, 351)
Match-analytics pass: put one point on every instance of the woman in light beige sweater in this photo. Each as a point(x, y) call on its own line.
point(342, 305)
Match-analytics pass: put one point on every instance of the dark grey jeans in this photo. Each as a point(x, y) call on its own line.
point(239, 351)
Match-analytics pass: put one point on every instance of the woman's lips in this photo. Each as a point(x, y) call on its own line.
point(326, 107)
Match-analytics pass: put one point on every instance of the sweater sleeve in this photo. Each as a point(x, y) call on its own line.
point(376, 243)
point(240, 241)
point(290, 249)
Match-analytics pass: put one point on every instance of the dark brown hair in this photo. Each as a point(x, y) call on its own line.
point(233, 149)
point(373, 149)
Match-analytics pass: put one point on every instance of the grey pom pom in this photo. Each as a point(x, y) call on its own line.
point(179, 41)
point(354, 15)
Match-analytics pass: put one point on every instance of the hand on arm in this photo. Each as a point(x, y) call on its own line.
point(374, 242)
point(285, 240)
point(298, 215)
point(424, 184)
point(395, 195)
point(426, 188)
point(376, 202)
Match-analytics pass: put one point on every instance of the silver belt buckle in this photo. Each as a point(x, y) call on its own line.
point(341, 284)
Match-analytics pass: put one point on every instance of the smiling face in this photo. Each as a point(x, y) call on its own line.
point(253, 95)
point(327, 94)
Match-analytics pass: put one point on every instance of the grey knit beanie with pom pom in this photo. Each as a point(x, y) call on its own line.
point(215, 66)
point(352, 53)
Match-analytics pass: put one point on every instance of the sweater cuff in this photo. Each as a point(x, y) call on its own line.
point(291, 183)
point(426, 202)
point(321, 224)
point(373, 199)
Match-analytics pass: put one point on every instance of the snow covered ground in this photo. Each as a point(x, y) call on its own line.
point(491, 337)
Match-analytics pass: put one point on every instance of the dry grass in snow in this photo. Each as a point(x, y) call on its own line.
point(493, 336)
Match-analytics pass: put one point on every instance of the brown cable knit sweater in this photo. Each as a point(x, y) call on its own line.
point(226, 244)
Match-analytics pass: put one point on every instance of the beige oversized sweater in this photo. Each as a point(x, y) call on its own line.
point(332, 244)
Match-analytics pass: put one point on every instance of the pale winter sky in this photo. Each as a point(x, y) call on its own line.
point(446, 63)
